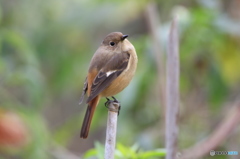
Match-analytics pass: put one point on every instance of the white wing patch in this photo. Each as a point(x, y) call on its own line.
point(110, 72)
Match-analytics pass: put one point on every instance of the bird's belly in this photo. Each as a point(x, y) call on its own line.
point(119, 84)
point(123, 79)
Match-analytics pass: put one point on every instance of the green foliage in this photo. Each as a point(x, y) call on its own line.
point(40, 140)
point(124, 152)
point(212, 60)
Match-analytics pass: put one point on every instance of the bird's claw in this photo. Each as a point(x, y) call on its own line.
point(108, 102)
point(119, 108)
point(115, 100)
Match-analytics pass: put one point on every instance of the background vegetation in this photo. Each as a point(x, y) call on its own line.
point(45, 49)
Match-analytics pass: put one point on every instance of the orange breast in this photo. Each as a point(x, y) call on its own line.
point(122, 80)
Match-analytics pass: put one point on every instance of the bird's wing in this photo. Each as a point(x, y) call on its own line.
point(85, 88)
point(110, 71)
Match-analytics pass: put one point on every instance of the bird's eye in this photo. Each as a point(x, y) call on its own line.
point(112, 43)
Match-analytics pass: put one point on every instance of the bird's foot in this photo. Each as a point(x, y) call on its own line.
point(113, 105)
point(107, 102)
point(115, 100)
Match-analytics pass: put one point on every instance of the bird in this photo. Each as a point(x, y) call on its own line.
point(111, 69)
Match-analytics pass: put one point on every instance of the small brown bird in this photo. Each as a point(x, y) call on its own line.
point(111, 69)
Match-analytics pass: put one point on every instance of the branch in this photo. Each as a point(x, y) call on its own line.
point(111, 132)
point(220, 133)
point(172, 92)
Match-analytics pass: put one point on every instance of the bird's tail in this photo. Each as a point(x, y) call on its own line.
point(88, 117)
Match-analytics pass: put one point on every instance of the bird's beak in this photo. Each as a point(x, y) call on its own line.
point(124, 37)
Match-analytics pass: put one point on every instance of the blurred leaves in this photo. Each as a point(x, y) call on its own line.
point(213, 61)
point(124, 152)
point(19, 66)
point(40, 137)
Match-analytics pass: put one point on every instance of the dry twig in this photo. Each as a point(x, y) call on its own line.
point(219, 134)
point(111, 132)
point(172, 92)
